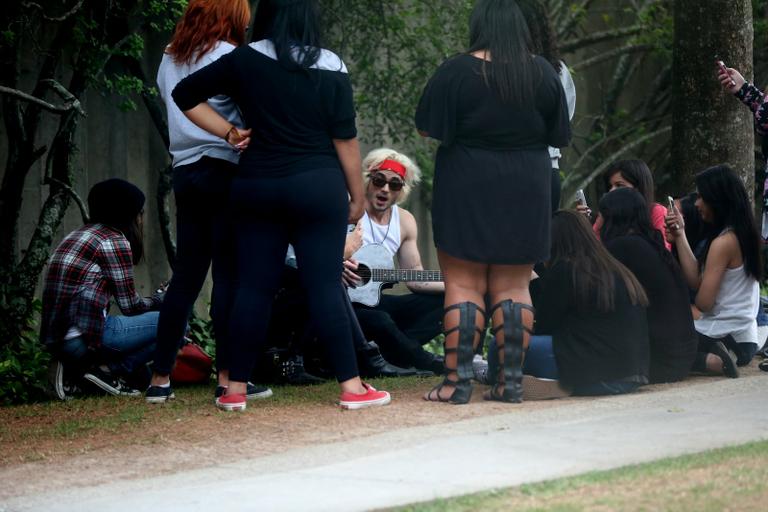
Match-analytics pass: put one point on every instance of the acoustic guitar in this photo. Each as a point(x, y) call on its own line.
point(376, 269)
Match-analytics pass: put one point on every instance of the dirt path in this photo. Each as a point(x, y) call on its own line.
point(42, 449)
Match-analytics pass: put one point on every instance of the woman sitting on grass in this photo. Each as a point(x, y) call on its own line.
point(726, 276)
point(594, 309)
point(628, 235)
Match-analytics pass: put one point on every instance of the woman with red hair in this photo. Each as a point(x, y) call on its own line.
point(203, 167)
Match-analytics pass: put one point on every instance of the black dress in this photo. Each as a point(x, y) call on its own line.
point(491, 201)
point(673, 339)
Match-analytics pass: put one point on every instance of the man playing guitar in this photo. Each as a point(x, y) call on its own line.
point(400, 324)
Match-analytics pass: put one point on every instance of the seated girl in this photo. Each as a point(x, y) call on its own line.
point(630, 238)
point(90, 266)
point(594, 310)
point(635, 174)
point(726, 275)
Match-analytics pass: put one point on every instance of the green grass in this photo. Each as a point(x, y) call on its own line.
point(731, 478)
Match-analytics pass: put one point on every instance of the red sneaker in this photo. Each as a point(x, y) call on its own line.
point(370, 398)
point(232, 402)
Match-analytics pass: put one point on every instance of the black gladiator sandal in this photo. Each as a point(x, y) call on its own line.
point(465, 351)
point(509, 387)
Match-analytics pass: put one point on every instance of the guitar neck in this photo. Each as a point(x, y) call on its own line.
point(398, 275)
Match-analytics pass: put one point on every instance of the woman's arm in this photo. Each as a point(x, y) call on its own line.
point(211, 121)
point(348, 151)
point(676, 235)
point(117, 267)
point(748, 94)
point(720, 254)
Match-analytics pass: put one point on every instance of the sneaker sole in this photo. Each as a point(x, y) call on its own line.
point(362, 405)
point(56, 380)
point(230, 407)
point(159, 399)
point(259, 396)
point(535, 388)
point(106, 387)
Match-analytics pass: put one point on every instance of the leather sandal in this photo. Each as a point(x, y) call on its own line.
point(460, 376)
point(509, 387)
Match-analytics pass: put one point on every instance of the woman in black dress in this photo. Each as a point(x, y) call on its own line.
point(495, 110)
point(630, 237)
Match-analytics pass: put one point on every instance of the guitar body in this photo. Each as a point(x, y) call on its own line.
point(369, 257)
point(376, 269)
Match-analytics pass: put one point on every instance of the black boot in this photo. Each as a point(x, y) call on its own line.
point(509, 385)
point(469, 335)
point(292, 371)
point(372, 364)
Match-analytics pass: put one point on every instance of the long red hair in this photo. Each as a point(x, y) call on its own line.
point(204, 23)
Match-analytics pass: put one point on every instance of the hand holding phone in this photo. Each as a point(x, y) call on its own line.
point(724, 71)
point(581, 204)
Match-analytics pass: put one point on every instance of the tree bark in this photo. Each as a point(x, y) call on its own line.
point(709, 126)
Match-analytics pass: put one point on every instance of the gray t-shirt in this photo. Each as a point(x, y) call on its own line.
point(188, 142)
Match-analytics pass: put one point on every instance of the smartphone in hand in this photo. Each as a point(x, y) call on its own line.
point(581, 199)
point(670, 204)
point(724, 69)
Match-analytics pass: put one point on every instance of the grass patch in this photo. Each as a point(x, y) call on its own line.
point(731, 478)
point(125, 420)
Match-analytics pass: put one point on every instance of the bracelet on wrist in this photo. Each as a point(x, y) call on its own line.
point(229, 132)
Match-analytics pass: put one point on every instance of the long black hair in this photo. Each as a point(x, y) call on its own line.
point(637, 173)
point(498, 26)
point(594, 269)
point(543, 37)
point(724, 193)
point(293, 27)
point(625, 212)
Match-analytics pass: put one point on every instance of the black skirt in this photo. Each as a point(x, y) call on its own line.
point(491, 206)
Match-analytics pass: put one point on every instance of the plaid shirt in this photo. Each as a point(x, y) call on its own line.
point(91, 265)
point(757, 102)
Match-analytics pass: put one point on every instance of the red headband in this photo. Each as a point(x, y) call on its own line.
point(394, 166)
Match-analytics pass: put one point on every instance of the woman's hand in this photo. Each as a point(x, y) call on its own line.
point(356, 207)
point(585, 211)
point(238, 138)
point(675, 224)
point(730, 79)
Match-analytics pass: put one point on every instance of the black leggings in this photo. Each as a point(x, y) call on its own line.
point(308, 209)
point(203, 234)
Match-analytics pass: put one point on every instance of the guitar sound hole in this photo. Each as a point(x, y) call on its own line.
point(364, 272)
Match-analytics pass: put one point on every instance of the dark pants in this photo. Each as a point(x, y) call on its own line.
point(308, 209)
point(401, 324)
point(203, 235)
point(744, 351)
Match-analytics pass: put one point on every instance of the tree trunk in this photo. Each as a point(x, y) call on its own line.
point(709, 126)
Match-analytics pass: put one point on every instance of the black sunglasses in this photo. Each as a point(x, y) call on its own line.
point(379, 181)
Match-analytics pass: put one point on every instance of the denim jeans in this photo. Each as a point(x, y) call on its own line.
point(539, 359)
point(129, 341)
point(127, 344)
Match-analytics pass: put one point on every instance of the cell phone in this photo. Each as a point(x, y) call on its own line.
point(721, 65)
point(581, 198)
point(670, 204)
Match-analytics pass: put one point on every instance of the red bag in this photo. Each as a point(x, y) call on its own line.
point(193, 365)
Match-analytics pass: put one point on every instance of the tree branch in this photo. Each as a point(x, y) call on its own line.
point(597, 59)
point(614, 157)
point(63, 17)
point(599, 37)
point(50, 107)
point(73, 194)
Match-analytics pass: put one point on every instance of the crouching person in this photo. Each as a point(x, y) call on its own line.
point(92, 265)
